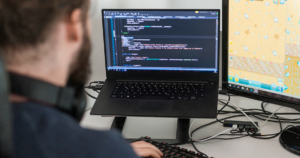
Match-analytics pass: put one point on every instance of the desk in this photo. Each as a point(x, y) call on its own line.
point(240, 148)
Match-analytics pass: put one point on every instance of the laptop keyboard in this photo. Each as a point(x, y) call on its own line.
point(159, 90)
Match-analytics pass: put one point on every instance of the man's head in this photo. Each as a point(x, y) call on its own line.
point(44, 37)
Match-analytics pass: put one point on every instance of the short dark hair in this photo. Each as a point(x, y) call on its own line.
point(27, 22)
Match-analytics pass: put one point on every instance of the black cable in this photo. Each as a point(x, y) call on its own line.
point(254, 114)
point(223, 108)
point(192, 142)
point(263, 115)
point(203, 155)
point(262, 107)
point(271, 135)
point(260, 114)
point(213, 123)
point(248, 132)
point(90, 95)
point(228, 106)
point(266, 112)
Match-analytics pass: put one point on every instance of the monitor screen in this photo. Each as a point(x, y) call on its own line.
point(167, 40)
point(264, 47)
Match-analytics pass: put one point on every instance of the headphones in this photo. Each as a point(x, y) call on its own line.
point(65, 99)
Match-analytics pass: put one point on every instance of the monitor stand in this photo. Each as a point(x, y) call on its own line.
point(182, 135)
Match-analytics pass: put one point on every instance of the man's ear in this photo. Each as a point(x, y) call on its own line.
point(74, 26)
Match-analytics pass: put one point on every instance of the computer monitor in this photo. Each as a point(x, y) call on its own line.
point(148, 42)
point(261, 50)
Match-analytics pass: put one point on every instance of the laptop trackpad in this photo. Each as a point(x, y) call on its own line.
point(154, 107)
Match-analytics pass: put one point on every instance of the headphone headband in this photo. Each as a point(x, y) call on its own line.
point(41, 91)
point(63, 98)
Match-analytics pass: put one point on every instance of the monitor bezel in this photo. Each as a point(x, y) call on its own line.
point(163, 75)
point(225, 83)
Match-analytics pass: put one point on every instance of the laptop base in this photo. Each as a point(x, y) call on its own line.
point(182, 135)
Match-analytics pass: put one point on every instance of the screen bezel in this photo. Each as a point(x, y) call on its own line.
point(162, 74)
point(280, 100)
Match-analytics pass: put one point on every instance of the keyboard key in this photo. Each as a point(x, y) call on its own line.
point(172, 97)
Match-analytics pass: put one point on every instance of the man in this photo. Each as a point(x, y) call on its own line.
point(49, 40)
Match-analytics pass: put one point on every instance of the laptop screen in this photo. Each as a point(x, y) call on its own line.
point(143, 40)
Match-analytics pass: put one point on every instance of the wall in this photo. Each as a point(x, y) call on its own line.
point(97, 57)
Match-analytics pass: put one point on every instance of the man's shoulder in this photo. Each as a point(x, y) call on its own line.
point(42, 130)
point(40, 119)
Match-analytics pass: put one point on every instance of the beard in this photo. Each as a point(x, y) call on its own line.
point(80, 69)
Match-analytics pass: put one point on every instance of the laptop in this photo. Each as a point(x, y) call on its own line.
point(160, 63)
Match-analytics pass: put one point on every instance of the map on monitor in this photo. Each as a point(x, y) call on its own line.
point(264, 46)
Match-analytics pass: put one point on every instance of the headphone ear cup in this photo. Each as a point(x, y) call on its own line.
point(80, 106)
point(79, 101)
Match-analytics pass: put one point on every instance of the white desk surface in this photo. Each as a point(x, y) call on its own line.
point(239, 148)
